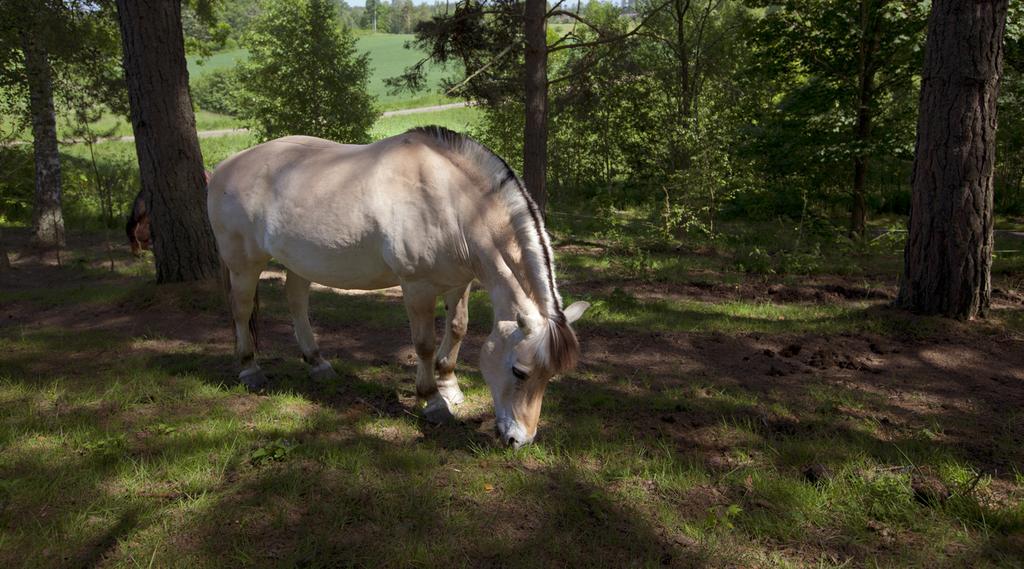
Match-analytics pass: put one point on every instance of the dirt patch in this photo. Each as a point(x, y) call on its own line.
point(970, 382)
point(819, 290)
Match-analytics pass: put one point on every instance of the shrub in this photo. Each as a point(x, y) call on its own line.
point(303, 75)
point(218, 92)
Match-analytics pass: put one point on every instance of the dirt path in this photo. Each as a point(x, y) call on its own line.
point(230, 131)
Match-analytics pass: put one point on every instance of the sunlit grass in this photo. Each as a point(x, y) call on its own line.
point(458, 119)
point(388, 58)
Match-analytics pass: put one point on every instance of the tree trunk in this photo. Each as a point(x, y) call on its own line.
point(5, 261)
point(170, 162)
point(535, 133)
point(870, 42)
point(47, 217)
point(680, 8)
point(948, 258)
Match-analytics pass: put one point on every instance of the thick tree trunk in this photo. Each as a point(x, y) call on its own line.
point(948, 259)
point(47, 218)
point(170, 162)
point(535, 133)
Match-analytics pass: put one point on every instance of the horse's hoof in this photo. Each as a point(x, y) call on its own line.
point(438, 411)
point(254, 380)
point(453, 394)
point(323, 372)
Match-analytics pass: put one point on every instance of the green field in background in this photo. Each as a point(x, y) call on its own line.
point(388, 58)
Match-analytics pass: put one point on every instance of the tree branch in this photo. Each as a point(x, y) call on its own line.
point(463, 83)
point(617, 38)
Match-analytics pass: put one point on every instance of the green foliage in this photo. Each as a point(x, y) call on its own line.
point(17, 185)
point(1009, 177)
point(82, 45)
point(275, 451)
point(664, 138)
point(816, 65)
point(99, 193)
point(303, 75)
point(217, 91)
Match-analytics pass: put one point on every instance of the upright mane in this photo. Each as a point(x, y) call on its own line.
point(557, 346)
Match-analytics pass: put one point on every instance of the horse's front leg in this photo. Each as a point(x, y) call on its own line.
point(456, 304)
point(297, 290)
point(419, 303)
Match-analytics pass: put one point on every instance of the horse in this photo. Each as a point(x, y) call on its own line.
point(138, 228)
point(430, 210)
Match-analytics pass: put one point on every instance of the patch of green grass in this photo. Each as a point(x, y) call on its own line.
point(621, 310)
point(199, 66)
point(388, 58)
point(458, 119)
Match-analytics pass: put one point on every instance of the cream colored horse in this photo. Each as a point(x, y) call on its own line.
point(430, 210)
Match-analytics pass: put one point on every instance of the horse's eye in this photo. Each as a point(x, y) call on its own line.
point(520, 374)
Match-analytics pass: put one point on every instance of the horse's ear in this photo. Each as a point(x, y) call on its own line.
point(575, 310)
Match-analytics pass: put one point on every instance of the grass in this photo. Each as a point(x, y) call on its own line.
point(388, 58)
point(125, 441)
point(461, 119)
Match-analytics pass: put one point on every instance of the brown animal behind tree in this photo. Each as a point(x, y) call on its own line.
point(948, 259)
point(170, 162)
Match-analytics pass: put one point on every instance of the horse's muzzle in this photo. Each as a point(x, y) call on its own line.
point(512, 434)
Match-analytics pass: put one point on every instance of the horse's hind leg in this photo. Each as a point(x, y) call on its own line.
point(456, 303)
point(297, 290)
point(243, 303)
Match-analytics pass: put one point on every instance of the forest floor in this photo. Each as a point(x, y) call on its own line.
point(718, 419)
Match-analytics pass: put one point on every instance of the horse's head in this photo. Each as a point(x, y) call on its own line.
point(517, 361)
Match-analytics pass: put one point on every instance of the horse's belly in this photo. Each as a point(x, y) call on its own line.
point(349, 268)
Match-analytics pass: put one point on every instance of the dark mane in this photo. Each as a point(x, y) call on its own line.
point(458, 140)
point(557, 348)
point(504, 177)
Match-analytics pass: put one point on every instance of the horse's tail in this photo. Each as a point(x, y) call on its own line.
point(254, 326)
point(254, 320)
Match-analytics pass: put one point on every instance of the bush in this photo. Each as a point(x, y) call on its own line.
point(17, 185)
point(303, 75)
point(218, 92)
point(99, 197)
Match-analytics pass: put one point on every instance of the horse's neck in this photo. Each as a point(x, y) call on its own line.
point(508, 297)
point(500, 264)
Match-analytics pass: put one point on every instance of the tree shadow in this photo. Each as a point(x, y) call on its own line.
point(427, 513)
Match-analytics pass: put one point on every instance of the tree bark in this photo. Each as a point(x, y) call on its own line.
point(535, 132)
point(948, 257)
point(680, 8)
point(870, 43)
point(5, 261)
point(170, 161)
point(47, 217)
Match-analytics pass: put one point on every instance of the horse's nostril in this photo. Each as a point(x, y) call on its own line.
point(511, 441)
